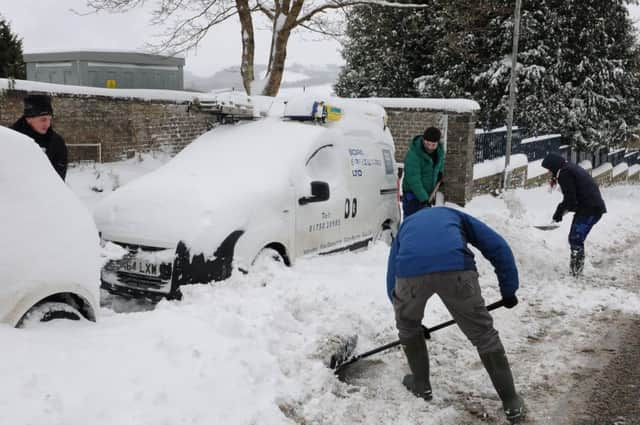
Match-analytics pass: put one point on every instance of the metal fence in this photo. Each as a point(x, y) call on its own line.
point(492, 144)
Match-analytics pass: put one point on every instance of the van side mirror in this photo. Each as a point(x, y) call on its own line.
point(319, 193)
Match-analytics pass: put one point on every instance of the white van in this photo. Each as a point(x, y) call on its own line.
point(50, 251)
point(318, 180)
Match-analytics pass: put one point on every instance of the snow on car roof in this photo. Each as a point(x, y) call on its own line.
point(38, 206)
point(224, 176)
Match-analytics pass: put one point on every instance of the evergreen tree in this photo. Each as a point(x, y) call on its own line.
point(578, 71)
point(385, 49)
point(11, 62)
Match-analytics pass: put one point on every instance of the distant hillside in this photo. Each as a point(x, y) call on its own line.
point(296, 75)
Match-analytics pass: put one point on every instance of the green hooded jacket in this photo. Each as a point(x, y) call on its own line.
point(420, 173)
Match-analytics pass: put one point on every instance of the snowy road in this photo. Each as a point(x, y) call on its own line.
point(250, 350)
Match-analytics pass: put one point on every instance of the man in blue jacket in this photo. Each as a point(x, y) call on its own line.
point(430, 256)
point(580, 195)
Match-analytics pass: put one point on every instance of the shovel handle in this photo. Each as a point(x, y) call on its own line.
point(427, 332)
point(433, 193)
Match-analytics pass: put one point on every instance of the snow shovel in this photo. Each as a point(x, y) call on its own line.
point(550, 226)
point(338, 363)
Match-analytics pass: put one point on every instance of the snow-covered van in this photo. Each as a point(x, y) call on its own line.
point(318, 178)
point(49, 255)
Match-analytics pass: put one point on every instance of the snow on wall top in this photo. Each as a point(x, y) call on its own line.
point(502, 129)
point(620, 168)
point(602, 169)
point(451, 105)
point(496, 166)
point(145, 94)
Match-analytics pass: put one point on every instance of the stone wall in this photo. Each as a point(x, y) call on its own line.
point(536, 181)
point(405, 123)
point(620, 177)
point(493, 182)
point(121, 126)
point(604, 178)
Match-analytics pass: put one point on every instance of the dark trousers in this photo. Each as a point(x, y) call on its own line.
point(411, 204)
point(459, 292)
point(580, 228)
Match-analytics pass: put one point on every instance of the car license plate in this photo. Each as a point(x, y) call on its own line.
point(139, 266)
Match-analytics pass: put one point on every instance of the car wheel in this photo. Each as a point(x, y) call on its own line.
point(266, 258)
point(47, 312)
point(386, 234)
point(266, 265)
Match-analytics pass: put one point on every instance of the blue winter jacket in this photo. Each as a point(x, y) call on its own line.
point(435, 240)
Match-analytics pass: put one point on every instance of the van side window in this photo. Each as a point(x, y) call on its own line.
point(322, 163)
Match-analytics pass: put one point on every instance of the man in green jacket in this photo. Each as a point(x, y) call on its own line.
point(423, 168)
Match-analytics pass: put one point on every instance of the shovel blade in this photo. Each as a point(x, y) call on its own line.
point(343, 349)
point(547, 226)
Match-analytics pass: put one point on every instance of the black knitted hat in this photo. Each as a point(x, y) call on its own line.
point(431, 134)
point(36, 105)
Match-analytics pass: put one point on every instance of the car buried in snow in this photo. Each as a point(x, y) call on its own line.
point(317, 179)
point(50, 252)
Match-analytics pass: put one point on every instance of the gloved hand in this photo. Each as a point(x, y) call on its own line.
point(510, 302)
point(557, 217)
point(425, 331)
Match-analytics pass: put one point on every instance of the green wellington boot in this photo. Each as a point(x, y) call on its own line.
point(497, 366)
point(418, 382)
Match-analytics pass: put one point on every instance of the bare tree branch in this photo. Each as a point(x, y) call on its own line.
point(187, 22)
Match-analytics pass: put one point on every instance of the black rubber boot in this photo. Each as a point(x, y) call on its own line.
point(577, 261)
point(418, 382)
point(497, 366)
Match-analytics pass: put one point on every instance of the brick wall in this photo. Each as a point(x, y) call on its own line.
point(122, 126)
point(405, 123)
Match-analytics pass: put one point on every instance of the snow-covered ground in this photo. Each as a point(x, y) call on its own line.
point(253, 349)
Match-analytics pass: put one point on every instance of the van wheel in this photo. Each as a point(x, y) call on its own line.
point(266, 258)
point(386, 234)
point(47, 312)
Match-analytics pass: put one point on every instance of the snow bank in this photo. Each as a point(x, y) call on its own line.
point(249, 350)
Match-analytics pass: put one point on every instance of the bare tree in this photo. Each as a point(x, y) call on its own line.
point(187, 22)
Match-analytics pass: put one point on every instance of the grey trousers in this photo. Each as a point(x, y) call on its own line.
point(460, 293)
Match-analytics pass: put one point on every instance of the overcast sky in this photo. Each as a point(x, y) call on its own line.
point(51, 25)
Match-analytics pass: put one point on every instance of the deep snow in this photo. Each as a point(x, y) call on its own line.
point(250, 350)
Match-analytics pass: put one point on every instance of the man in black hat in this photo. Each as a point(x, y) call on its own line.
point(36, 123)
point(423, 168)
point(581, 196)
